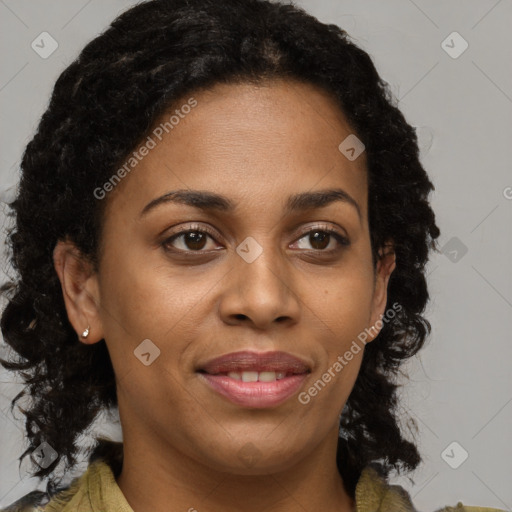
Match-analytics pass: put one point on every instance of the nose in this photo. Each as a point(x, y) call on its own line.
point(260, 293)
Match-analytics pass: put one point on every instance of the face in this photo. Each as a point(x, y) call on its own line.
point(251, 271)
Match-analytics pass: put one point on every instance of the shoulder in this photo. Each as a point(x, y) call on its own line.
point(39, 501)
point(106, 458)
point(31, 502)
point(468, 508)
point(374, 494)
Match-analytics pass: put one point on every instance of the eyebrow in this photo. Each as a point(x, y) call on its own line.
point(211, 201)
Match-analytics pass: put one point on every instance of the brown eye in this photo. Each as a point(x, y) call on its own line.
point(320, 239)
point(194, 240)
point(191, 240)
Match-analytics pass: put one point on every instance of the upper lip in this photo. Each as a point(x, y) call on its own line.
point(247, 360)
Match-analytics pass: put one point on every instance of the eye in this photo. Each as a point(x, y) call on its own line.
point(321, 237)
point(193, 239)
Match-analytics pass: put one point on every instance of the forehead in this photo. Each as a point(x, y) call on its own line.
point(249, 142)
point(276, 113)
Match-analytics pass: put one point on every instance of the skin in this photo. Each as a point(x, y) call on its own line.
point(256, 145)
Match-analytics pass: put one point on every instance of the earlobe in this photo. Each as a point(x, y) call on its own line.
point(385, 266)
point(86, 332)
point(80, 291)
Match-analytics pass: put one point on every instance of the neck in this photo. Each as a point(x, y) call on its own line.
point(163, 478)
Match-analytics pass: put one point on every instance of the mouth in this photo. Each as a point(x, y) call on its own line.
point(255, 380)
point(247, 361)
point(254, 375)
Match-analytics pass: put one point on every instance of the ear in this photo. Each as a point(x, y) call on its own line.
point(80, 290)
point(385, 266)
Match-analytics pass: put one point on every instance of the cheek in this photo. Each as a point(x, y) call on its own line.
point(341, 312)
point(150, 297)
point(346, 302)
point(155, 302)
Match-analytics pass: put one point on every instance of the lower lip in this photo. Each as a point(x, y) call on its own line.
point(255, 394)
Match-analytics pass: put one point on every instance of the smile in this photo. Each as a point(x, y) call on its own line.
point(250, 389)
point(255, 379)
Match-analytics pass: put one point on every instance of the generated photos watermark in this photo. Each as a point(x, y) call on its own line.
point(144, 149)
point(305, 397)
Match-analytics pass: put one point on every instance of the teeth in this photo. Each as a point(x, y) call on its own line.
point(249, 376)
point(267, 376)
point(257, 376)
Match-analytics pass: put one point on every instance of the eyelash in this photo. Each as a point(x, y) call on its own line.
point(342, 240)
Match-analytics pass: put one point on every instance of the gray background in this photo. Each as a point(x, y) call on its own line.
point(460, 384)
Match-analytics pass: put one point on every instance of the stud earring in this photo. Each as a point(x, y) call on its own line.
point(86, 332)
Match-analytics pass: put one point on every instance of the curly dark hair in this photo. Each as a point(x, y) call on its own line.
point(104, 104)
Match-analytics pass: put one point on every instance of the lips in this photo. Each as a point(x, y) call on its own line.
point(248, 361)
point(255, 379)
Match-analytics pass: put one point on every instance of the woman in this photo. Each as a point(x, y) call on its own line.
point(221, 229)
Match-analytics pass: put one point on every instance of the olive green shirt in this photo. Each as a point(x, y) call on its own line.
point(97, 491)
